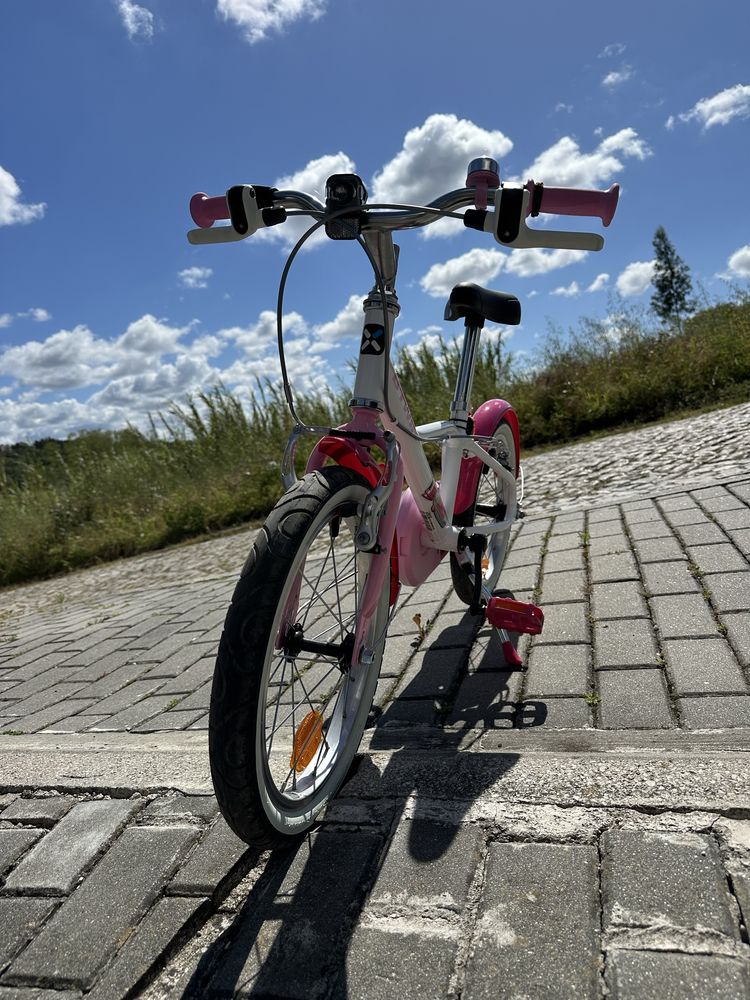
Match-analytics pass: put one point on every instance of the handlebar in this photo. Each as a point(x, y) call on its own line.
point(531, 199)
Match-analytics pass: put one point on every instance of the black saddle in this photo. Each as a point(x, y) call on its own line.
point(478, 304)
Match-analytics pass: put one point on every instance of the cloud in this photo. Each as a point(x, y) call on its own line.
point(636, 278)
point(565, 164)
point(346, 325)
point(5, 320)
point(195, 277)
point(38, 315)
point(570, 291)
point(734, 102)
point(598, 283)
point(12, 211)
point(312, 180)
point(739, 262)
point(432, 160)
point(258, 18)
point(428, 338)
point(617, 77)
point(614, 49)
point(477, 265)
point(561, 106)
point(526, 263)
point(138, 21)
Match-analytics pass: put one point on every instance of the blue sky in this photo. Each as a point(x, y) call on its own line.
point(113, 113)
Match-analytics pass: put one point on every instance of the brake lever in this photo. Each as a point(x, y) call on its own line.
point(246, 215)
point(511, 209)
point(217, 234)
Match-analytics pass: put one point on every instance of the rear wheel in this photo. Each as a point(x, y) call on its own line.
point(493, 494)
point(288, 707)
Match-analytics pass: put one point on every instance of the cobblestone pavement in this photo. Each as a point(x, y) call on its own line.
point(576, 828)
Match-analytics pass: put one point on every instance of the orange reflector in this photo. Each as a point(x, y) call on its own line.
point(485, 562)
point(306, 741)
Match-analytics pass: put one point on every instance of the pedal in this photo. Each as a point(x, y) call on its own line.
point(514, 616)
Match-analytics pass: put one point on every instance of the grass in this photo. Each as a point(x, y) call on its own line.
point(209, 463)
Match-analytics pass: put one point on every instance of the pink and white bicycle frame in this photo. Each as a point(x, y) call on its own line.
point(410, 530)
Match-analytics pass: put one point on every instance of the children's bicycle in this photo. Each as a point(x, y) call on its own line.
point(305, 634)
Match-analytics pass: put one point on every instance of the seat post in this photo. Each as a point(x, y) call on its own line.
point(462, 394)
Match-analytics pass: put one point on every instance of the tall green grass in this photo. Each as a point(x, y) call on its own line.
point(209, 463)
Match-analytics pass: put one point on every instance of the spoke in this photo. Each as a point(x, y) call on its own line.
point(346, 574)
point(293, 770)
point(312, 691)
point(338, 592)
point(315, 587)
point(275, 716)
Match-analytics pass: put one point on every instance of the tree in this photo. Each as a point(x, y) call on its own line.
point(671, 280)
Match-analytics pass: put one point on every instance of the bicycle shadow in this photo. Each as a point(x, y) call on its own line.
point(296, 934)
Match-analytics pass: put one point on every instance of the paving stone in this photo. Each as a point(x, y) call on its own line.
point(124, 721)
point(112, 681)
point(717, 558)
point(13, 844)
point(655, 878)
point(132, 872)
point(561, 670)
point(453, 630)
point(48, 698)
point(603, 514)
point(650, 529)
point(738, 633)
point(424, 964)
point(431, 673)
point(487, 650)
point(185, 656)
point(636, 515)
point(652, 550)
point(626, 642)
point(125, 697)
point(732, 520)
point(416, 711)
point(691, 514)
point(701, 534)
point(48, 716)
point(643, 975)
point(618, 600)
point(601, 529)
point(520, 580)
point(728, 712)
point(19, 919)
point(683, 616)
point(633, 699)
point(703, 665)
point(537, 923)
point(558, 562)
point(564, 623)
point(486, 699)
point(74, 723)
point(143, 949)
point(554, 713)
point(565, 586)
point(210, 862)
point(729, 591)
point(194, 677)
point(427, 864)
point(171, 721)
point(47, 679)
point(204, 807)
point(561, 543)
point(613, 567)
point(669, 578)
point(608, 545)
point(38, 811)
point(280, 945)
point(54, 865)
point(742, 540)
point(98, 652)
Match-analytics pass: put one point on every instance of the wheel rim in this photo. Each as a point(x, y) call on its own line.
point(321, 597)
point(491, 491)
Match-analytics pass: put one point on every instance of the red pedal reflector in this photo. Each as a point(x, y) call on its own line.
point(514, 616)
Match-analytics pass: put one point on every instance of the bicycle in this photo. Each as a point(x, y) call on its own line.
point(304, 636)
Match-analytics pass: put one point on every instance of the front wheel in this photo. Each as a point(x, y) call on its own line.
point(287, 706)
point(493, 494)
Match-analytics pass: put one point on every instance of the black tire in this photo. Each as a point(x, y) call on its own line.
point(286, 582)
point(490, 491)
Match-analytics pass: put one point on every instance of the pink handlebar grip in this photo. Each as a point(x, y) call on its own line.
point(205, 211)
point(569, 201)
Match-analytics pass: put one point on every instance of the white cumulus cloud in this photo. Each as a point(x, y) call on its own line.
point(138, 21)
point(346, 325)
point(636, 278)
point(195, 277)
point(734, 102)
point(12, 209)
point(564, 163)
point(5, 320)
point(617, 77)
point(259, 18)
point(598, 283)
point(739, 262)
point(477, 265)
point(570, 291)
point(529, 262)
